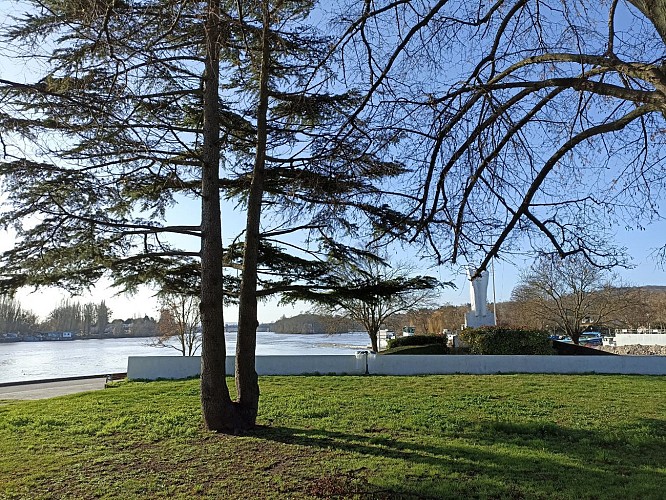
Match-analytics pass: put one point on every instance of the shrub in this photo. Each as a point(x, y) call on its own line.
point(497, 340)
point(430, 349)
point(417, 340)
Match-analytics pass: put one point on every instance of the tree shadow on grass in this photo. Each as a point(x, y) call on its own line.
point(498, 460)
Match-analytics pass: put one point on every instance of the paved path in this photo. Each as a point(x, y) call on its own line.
point(43, 390)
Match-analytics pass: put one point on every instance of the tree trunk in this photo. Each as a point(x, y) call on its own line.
point(572, 333)
point(247, 383)
point(374, 338)
point(218, 410)
point(655, 11)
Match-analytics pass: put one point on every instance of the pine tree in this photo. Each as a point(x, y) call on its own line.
point(144, 104)
point(370, 291)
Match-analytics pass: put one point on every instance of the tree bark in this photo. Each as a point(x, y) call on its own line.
point(374, 342)
point(247, 383)
point(218, 410)
point(655, 11)
point(373, 333)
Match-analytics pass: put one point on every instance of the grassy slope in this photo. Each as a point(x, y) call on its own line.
point(510, 436)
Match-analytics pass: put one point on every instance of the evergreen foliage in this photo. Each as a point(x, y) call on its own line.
point(368, 290)
point(499, 340)
point(417, 340)
point(143, 105)
point(118, 113)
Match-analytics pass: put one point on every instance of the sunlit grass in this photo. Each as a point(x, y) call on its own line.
point(459, 436)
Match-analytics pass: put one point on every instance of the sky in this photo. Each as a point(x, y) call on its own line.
point(641, 246)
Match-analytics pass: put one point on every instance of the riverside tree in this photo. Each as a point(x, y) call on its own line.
point(569, 292)
point(141, 105)
point(14, 318)
point(370, 291)
point(179, 318)
point(70, 316)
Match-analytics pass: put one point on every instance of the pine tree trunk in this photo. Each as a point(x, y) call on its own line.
point(219, 412)
point(373, 340)
point(247, 384)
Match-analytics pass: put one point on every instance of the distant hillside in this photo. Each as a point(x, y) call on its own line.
point(652, 288)
point(314, 323)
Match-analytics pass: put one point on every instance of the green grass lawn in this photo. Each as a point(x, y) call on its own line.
point(457, 436)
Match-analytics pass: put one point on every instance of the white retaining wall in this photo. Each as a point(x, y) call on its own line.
point(175, 367)
point(348, 364)
point(486, 365)
point(640, 338)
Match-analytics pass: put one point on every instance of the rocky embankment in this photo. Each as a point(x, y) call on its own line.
point(636, 350)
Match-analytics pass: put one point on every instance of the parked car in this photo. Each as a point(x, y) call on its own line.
point(590, 338)
point(586, 339)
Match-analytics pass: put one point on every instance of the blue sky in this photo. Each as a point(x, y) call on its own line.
point(641, 246)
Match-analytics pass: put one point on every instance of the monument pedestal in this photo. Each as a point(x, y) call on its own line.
point(474, 321)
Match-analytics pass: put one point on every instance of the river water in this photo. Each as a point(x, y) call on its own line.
point(20, 361)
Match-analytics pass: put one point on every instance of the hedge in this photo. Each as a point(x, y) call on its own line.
point(497, 340)
point(416, 340)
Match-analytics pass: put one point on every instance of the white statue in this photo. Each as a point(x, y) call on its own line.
point(478, 292)
point(479, 315)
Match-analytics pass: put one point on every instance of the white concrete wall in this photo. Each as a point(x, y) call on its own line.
point(171, 367)
point(347, 364)
point(485, 365)
point(175, 367)
point(640, 338)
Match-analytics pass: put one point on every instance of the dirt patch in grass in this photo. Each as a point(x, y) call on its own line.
point(347, 485)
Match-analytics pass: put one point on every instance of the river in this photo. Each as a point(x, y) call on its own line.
point(21, 361)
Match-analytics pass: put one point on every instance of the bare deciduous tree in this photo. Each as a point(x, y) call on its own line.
point(14, 318)
point(569, 294)
point(180, 320)
point(537, 122)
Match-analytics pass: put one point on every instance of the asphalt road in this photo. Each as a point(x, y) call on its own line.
point(43, 390)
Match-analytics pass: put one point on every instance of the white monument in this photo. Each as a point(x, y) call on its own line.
point(479, 315)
